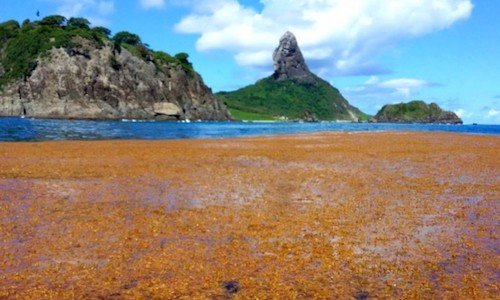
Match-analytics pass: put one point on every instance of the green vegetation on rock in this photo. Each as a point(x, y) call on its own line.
point(416, 111)
point(54, 21)
point(248, 116)
point(291, 98)
point(125, 37)
point(22, 46)
point(102, 30)
point(78, 23)
point(292, 92)
point(183, 59)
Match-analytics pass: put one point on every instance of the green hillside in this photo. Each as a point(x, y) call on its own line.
point(291, 98)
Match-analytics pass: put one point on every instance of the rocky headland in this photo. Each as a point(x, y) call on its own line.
point(51, 69)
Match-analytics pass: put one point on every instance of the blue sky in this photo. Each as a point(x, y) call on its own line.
point(374, 51)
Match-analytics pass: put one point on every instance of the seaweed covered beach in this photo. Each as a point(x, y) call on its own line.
point(327, 215)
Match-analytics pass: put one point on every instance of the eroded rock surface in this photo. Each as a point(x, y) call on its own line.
point(288, 60)
point(90, 83)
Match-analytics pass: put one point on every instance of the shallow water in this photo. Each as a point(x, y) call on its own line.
point(19, 129)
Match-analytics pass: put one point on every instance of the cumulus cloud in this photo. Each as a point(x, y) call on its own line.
point(399, 87)
point(95, 10)
point(404, 86)
point(492, 113)
point(152, 3)
point(488, 114)
point(463, 114)
point(340, 36)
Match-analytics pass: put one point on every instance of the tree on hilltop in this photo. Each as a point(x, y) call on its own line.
point(127, 38)
point(53, 20)
point(78, 23)
point(102, 30)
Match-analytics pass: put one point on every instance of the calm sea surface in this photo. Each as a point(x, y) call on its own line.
point(18, 129)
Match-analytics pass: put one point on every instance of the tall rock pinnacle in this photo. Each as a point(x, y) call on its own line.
point(288, 60)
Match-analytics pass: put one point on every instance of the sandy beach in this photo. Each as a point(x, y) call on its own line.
point(330, 215)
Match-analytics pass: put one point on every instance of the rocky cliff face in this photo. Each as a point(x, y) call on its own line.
point(416, 112)
point(288, 60)
point(91, 83)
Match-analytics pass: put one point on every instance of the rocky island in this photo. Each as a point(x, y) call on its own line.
point(58, 68)
point(416, 112)
point(292, 91)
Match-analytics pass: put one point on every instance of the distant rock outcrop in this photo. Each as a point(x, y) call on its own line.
point(288, 60)
point(293, 91)
point(416, 112)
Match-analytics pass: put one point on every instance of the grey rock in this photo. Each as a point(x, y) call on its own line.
point(85, 82)
point(310, 117)
point(448, 117)
point(288, 60)
point(168, 109)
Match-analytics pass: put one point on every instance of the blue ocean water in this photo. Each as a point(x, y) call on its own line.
point(24, 129)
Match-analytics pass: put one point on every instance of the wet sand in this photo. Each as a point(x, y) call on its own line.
point(331, 215)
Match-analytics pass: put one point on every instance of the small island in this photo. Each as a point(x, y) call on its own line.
point(416, 111)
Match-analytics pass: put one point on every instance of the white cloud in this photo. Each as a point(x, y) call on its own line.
point(404, 86)
point(152, 3)
point(342, 36)
point(460, 112)
point(398, 87)
point(492, 113)
point(463, 114)
point(372, 80)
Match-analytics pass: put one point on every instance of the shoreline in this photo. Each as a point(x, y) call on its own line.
point(323, 215)
point(303, 134)
point(15, 130)
point(234, 120)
